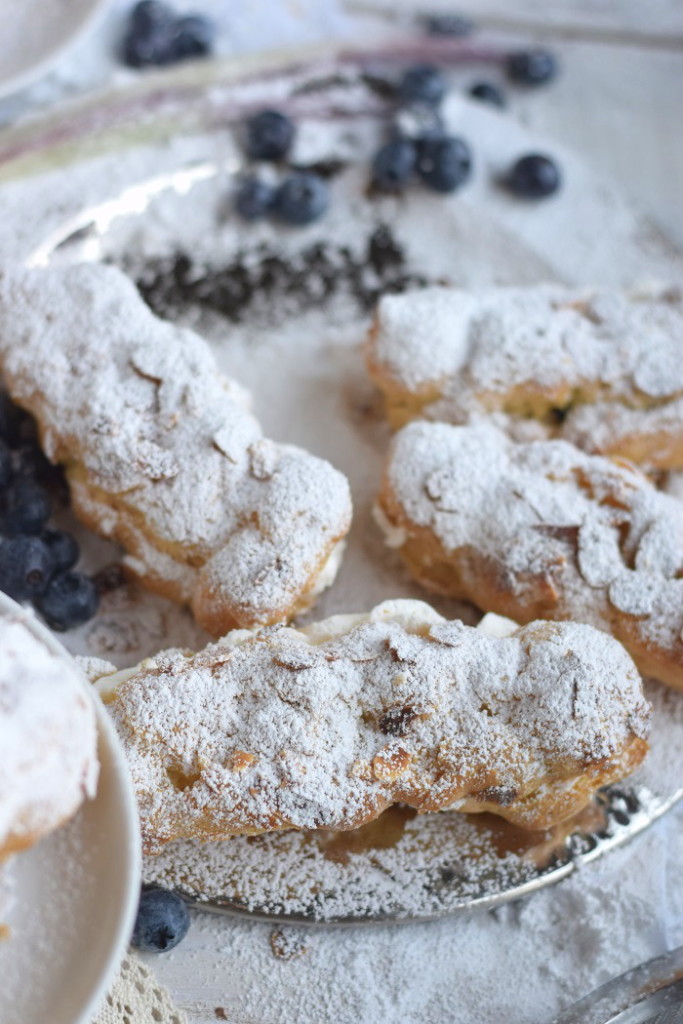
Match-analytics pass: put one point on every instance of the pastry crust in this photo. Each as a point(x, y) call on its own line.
point(601, 369)
point(326, 726)
point(540, 530)
point(48, 739)
point(162, 454)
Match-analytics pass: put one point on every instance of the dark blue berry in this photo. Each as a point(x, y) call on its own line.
point(422, 84)
point(148, 40)
point(191, 36)
point(162, 922)
point(269, 135)
point(5, 464)
point(301, 198)
point(534, 177)
point(70, 599)
point(27, 506)
point(253, 198)
point(487, 92)
point(15, 424)
point(63, 547)
point(444, 164)
point(394, 164)
point(531, 67)
point(26, 566)
point(455, 25)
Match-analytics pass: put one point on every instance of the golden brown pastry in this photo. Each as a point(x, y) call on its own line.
point(326, 726)
point(599, 368)
point(539, 530)
point(162, 454)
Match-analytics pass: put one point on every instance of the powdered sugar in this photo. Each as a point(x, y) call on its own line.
point(348, 718)
point(48, 761)
point(564, 534)
point(161, 452)
point(451, 355)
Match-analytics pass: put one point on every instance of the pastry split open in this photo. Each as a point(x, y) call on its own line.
point(600, 368)
point(539, 530)
point(162, 454)
point(325, 726)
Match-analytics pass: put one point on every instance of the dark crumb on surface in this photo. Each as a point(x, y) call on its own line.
point(220, 1014)
point(312, 276)
point(110, 578)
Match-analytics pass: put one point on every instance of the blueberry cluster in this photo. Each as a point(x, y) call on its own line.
point(156, 36)
point(162, 921)
point(420, 147)
point(300, 197)
point(36, 562)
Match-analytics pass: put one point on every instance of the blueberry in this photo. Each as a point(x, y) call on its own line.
point(455, 25)
point(63, 547)
point(531, 67)
point(162, 922)
point(253, 198)
point(444, 164)
point(394, 164)
point(269, 135)
point(149, 36)
point(15, 424)
point(422, 83)
point(26, 566)
point(191, 36)
point(70, 600)
point(487, 92)
point(27, 506)
point(301, 198)
point(534, 177)
point(5, 464)
point(149, 16)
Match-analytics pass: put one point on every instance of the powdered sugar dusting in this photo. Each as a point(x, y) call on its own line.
point(283, 730)
point(451, 355)
point(161, 452)
point(574, 535)
point(48, 761)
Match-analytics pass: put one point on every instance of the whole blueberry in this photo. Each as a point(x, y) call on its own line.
point(28, 459)
point(69, 600)
point(63, 547)
point(269, 135)
point(26, 566)
point(148, 39)
point(487, 92)
point(422, 83)
point(27, 506)
point(531, 67)
point(191, 36)
point(253, 198)
point(444, 164)
point(301, 198)
point(454, 25)
point(5, 464)
point(162, 921)
point(394, 164)
point(534, 176)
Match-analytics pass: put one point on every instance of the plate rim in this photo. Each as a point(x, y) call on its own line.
point(131, 868)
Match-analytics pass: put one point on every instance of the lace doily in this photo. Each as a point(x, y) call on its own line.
point(137, 998)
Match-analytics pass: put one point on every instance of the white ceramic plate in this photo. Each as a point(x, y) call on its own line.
point(76, 894)
point(35, 35)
